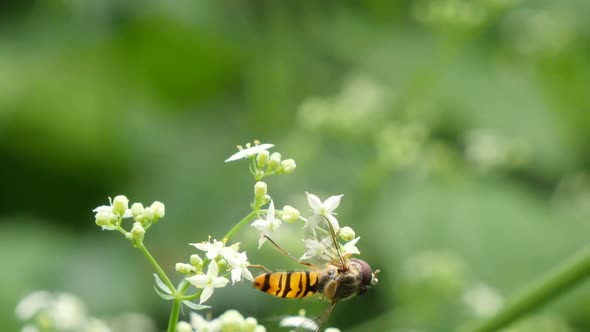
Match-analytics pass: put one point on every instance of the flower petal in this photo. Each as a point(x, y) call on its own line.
point(199, 280)
point(206, 294)
point(219, 282)
point(270, 214)
point(197, 321)
point(103, 208)
point(236, 274)
point(296, 321)
point(247, 274)
point(315, 203)
point(245, 153)
point(332, 203)
point(334, 222)
point(212, 270)
point(260, 225)
point(127, 214)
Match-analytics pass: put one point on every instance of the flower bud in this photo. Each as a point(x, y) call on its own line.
point(332, 329)
point(231, 320)
point(290, 214)
point(104, 220)
point(136, 210)
point(250, 324)
point(185, 268)
point(274, 162)
point(120, 204)
point(159, 210)
point(197, 262)
point(265, 199)
point(184, 327)
point(137, 232)
point(288, 166)
point(148, 213)
point(222, 264)
point(260, 189)
point(346, 233)
point(262, 158)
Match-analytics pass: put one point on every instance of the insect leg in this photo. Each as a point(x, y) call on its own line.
point(289, 255)
point(258, 266)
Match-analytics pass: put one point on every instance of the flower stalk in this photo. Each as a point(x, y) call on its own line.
point(565, 276)
point(240, 224)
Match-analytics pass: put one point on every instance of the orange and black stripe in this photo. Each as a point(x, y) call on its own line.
point(292, 285)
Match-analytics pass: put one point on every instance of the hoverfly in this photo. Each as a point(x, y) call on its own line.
point(333, 274)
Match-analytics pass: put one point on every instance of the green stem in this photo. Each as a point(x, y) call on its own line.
point(573, 271)
point(240, 224)
point(192, 296)
point(174, 315)
point(157, 267)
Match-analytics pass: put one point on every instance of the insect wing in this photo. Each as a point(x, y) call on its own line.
point(321, 242)
point(316, 323)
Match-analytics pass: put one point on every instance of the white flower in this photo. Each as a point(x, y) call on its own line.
point(29, 328)
point(200, 324)
point(216, 248)
point(96, 325)
point(249, 151)
point(33, 303)
point(184, 327)
point(268, 225)
point(208, 281)
point(325, 208)
point(239, 267)
point(317, 249)
point(231, 320)
point(69, 313)
point(482, 299)
point(106, 217)
point(350, 248)
point(63, 311)
point(299, 321)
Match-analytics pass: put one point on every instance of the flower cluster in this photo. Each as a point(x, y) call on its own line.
point(223, 262)
point(263, 163)
point(300, 321)
point(230, 321)
point(270, 219)
point(63, 312)
point(110, 217)
point(219, 258)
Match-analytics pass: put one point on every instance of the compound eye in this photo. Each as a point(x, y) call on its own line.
point(366, 272)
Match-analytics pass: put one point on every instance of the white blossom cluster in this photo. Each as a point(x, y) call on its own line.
point(230, 321)
point(271, 219)
point(110, 217)
point(220, 257)
point(43, 311)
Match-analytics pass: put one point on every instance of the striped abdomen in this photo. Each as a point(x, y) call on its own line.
point(293, 285)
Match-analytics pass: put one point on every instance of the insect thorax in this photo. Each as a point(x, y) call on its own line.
point(337, 285)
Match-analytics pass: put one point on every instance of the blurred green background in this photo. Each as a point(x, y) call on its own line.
point(458, 132)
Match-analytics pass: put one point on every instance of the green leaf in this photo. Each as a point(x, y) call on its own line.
point(195, 306)
point(161, 285)
point(164, 296)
